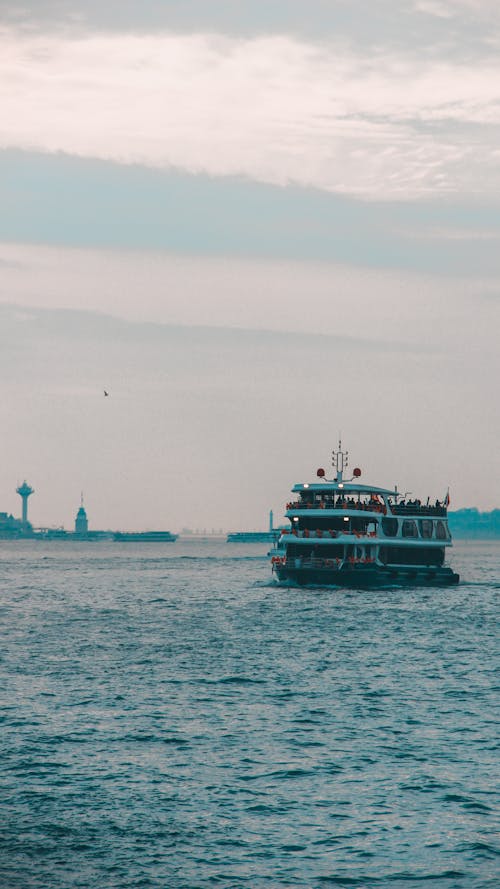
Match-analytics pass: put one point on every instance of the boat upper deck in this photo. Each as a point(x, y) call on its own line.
point(367, 498)
point(353, 496)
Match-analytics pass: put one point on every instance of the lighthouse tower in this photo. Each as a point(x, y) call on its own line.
point(24, 492)
point(81, 521)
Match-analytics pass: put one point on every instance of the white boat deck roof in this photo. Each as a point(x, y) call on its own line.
point(343, 487)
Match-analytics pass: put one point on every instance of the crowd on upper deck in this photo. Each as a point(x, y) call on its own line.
point(374, 504)
point(416, 506)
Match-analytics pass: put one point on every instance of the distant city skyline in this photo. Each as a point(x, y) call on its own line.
point(463, 522)
point(255, 226)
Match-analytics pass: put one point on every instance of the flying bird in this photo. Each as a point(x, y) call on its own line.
point(106, 394)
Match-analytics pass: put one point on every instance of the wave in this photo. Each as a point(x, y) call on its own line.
point(403, 877)
point(232, 680)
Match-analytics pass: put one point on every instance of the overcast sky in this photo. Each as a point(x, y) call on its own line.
point(255, 224)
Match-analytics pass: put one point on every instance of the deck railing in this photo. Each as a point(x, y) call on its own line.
point(409, 509)
point(339, 504)
point(327, 534)
point(406, 509)
point(315, 562)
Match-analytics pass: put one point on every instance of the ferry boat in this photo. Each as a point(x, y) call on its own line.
point(144, 537)
point(348, 534)
point(255, 536)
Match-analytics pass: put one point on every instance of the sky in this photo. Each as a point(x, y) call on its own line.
point(257, 225)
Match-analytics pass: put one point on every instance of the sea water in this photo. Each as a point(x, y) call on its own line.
point(171, 719)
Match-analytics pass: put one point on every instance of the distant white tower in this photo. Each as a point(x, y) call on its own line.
point(24, 492)
point(81, 521)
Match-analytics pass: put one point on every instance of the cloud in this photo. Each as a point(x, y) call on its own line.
point(386, 22)
point(447, 9)
point(274, 109)
point(373, 305)
point(63, 200)
point(434, 7)
point(459, 234)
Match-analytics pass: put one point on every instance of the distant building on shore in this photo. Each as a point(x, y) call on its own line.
point(9, 526)
point(25, 490)
point(475, 525)
point(21, 529)
point(81, 521)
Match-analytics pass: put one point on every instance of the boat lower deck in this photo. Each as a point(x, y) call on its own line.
point(365, 576)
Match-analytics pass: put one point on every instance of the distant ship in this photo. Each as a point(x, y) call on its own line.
point(252, 536)
point(255, 536)
point(144, 537)
point(348, 534)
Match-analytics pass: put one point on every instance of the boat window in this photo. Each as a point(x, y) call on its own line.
point(441, 532)
point(390, 527)
point(409, 528)
point(425, 526)
point(414, 555)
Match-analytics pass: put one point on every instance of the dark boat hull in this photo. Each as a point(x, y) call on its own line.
point(365, 577)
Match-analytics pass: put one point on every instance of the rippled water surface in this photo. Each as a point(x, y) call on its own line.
point(171, 719)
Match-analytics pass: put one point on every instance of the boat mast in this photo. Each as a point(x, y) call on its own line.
point(340, 461)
